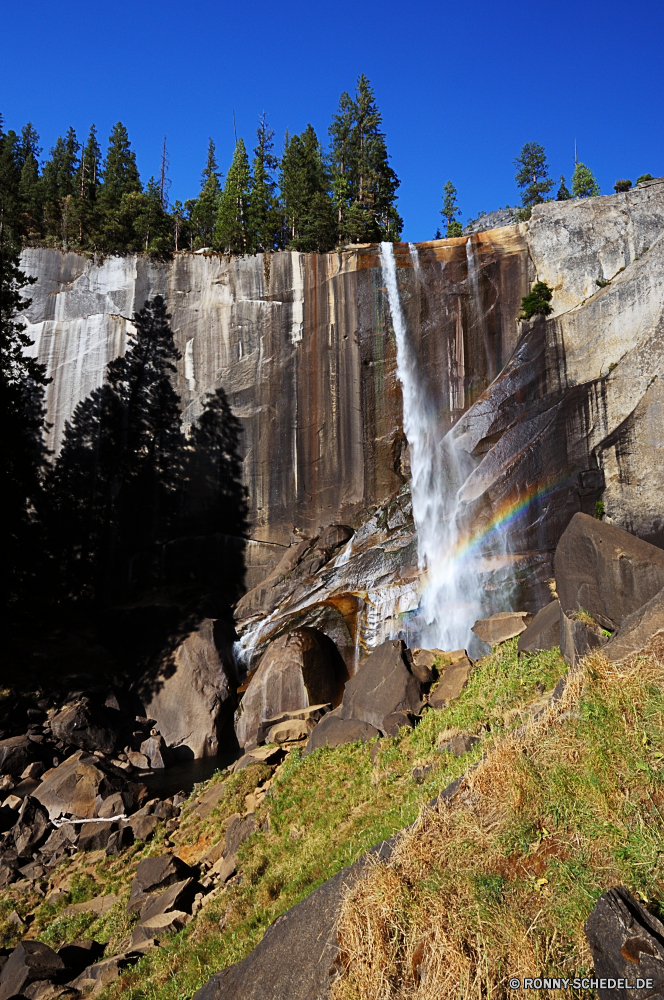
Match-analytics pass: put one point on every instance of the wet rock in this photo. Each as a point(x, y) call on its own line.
point(500, 627)
point(543, 632)
point(31, 828)
point(608, 572)
point(85, 726)
point(299, 669)
point(333, 731)
point(17, 753)
point(156, 751)
point(154, 874)
point(627, 943)
point(452, 683)
point(30, 961)
point(382, 686)
point(192, 696)
point(637, 629)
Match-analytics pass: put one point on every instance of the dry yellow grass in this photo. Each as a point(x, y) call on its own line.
point(498, 882)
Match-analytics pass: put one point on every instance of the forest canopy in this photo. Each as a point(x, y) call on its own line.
point(308, 199)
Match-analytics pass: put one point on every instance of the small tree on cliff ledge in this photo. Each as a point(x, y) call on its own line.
point(584, 184)
point(532, 174)
point(451, 209)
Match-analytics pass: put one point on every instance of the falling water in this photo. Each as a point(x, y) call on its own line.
point(452, 593)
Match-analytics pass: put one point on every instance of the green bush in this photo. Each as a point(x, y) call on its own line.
point(622, 186)
point(644, 177)
point(537, 301)
point(454, 229)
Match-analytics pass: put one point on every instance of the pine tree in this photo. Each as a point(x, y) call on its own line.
point(451, 209)
point(305, 193)
point(532, 174)
point(120, 173)
point(12, 223)
point(363, 182)
point(231, 232)
point(59, 184)
point(150, 222)
point(88, 184)
point(264, 217)
point(584, 184)
point(203, 211)
point(29, 186)
point(563, 193)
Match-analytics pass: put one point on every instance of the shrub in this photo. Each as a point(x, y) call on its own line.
point(454, 229)
point(599, 510)
point(644, 177)
point(537, 301)
point(622, 186)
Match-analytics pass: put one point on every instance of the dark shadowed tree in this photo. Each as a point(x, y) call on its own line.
point(203, 210)
point(563, 193)
point(231, 230)
point(305, 194)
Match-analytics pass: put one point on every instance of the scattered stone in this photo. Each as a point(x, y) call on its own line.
point(154, 874)
point(154, 749)
point(289, 732)
point(452, 683)
point(224, 868)
point(606, 571)
point(30, 961)
point(95, 836)
point(75, 787)
point(210, 800)
point(423, 771)
point(626, 941)
point(16, 753)
point(111, 806)
point(237, 832)
point(16, 919)
point(543, 632)
point(143, 827)
point(81, 725)
point(138, 760)
point(393, 722)
point(34, 770)
point(95, 977)
point(31, 827)
point(301, 668)
point(260, 755)
point(12, 802)
point(100, 905)
point(459, 745)
point(500, 627)
point(383, 685)
point(311, 714)
point(334, 732)
point(61, 841)
point(79, 954)
point(577, 638)
point(155, 927)
point(179, 896)
point(6, 784)
point(422, 664)
point(637, 629)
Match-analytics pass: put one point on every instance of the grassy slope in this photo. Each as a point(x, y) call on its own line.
point(321, 813)
point(500, 884)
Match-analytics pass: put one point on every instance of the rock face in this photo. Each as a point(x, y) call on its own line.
point(606, 571)
point(543, 632)
point(299, 669)
point(383, 686)
point(637, 629)
point(192, 696)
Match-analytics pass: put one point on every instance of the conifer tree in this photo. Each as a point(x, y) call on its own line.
point(150, 222)
point(532, 174)
point(264, 217)
point(584, 184)
point(364, 183)
point(59, 186)
point(120, 173)
point(88, 184)
point(11, 219)
point(230, 232)
point(563, 193)
point(450, 210)
point(305, 193)
point(203, 211)
point(29, 186)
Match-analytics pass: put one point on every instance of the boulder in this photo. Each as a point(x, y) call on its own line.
point(155, 751)
point(95, 836)
point(577, 638)
point(289, 731)
point(100, 906)
point(299, 669)
point(76, 786)
point(154, 874)
point(224, 868)
point(627, 942)
point(179, 896)
point(606, 571)
point(143, 827)
point(422, 664)
point(17, 753)
point(192, 696)
point(460, 744)
point(312, 714)
point(382, 686)
point(393, 722)
point(637, 629)
point(32, 827)
point(95, 977)
point(61, 841)
point(156, 926)
point(238, 831)
point(333, 731)
point(138, 760)
point(124, 837)
point(79, 954)
point(543, 631)
point(500, 627)
point(452, 683)
point(30, 961)
point(85, 726)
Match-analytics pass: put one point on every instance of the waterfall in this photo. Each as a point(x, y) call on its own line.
point(452, 588)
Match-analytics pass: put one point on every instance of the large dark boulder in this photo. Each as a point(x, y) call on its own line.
point(16, 753)
point(76, 786)
point(301, 668)
point(627, 943)
point(383, 685)
point(578, 638)
point(154, 874)
point(637, 629)
point(179, 896)
point(32, 827)
point(605, 571)
point(332, 731)
point(295, 960)
point(543, 631)
point(87, 726)
point(29, 961)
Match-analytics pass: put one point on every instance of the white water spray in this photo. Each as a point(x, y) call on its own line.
point(452, 588)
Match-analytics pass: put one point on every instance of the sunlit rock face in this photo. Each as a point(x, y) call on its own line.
point(553, 414)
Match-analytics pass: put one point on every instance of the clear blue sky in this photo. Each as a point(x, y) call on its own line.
point(461, 86)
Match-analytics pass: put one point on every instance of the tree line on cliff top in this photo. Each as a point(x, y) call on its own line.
point(307, 200)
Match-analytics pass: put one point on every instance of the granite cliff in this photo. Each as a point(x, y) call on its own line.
point(551, 415)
